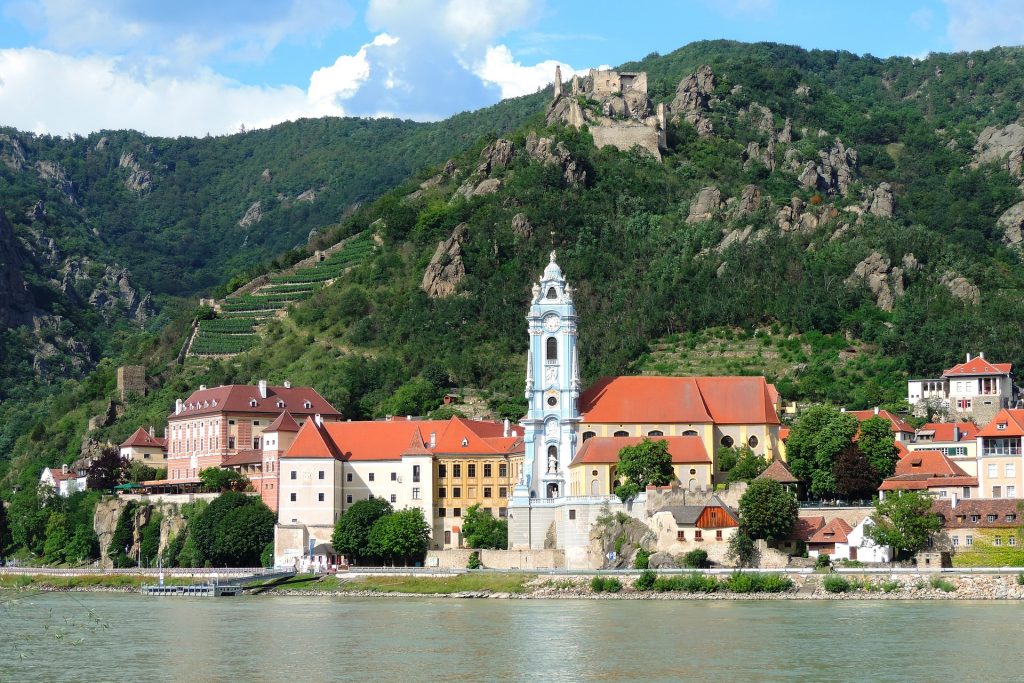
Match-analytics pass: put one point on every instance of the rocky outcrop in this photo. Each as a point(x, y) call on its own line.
point(115, 291)
point(253, 215)
point(308, 196)
point(694, 97)
point(102, 144)
point(496, 155)
point(765, 156)
point(53, 172)
point(1004, 146)
point(760, 118)
point(961, 288)
point(104, 522)
point(521, 226)
point(885, 282)
point(704, 206)
point(266, 176)
point(880, 202)
point(835, 171)
point(1011, 222)
point(618, 538)
point(786, 134)
point(139, 180)
point(12, 154)
point(749, 202)
point(802, 90)
point(446, 269)
point(16, 301)
point(36, 212)
point(486, 187)
point(796, 218)
point(547, 151)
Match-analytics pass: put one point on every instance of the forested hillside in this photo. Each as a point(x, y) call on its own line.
point(834, 215)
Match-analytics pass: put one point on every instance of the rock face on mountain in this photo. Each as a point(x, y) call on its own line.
point(884, 281)
point(139, 180)
point(115, 291)
point(253, 215)
point(880, 202)
point(704, 206)
point(754, 152)
point(521, 226)
point(1011, 222)
point(12, 154)
point(961, 288)
point(16, 302)
point(546, 151)
point(1002, 145)
point(446, 269)
point(834, 171)
point(693, 100)
point(53, 172)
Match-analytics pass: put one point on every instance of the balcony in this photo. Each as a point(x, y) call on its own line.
point(1000, 450)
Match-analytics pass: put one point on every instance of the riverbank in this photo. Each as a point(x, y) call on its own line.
point(766, 586)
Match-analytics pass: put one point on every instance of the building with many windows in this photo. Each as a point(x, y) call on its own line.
point(956, 440)
point(145, 447)
point(975, 390)
point(999, 455)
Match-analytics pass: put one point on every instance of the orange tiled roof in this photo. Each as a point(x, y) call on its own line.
point(804, 528)
point(238, 398)
point(312, 442)
point(924, 470)
point(895, 421)
point(1012, 421)
point(605, 449)
point(978, 366)
point(943, 431)
point(835, 531)
point(674, 400)
point(779, 472)
point(284, 423)
point(248, 457)
point(142, 439)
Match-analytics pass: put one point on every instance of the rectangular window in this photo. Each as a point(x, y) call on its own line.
point(572, 514)
point(456, 471)
point(441, 512)
point(442, 471)
point(997, 491)
point(231, 422)
point(502, 492)
point(999, 540)
point(992, 470)
point(320, 497)
point(487, 492)
point(255, 423)
point(416, 494)
point(680, 535)
point(394, 476)
point(295, 475)
point(502, 512)
point(698, 535)
point(415, 474)
point(718, 535)
point(966, 492)
point(1012, 540)
point(969, 540)
point(348, 477)
point(502, 470)
point(956, 541)
point(456, 492)
point(441, 492)
point(231, 442)
point(1011, 491)
point(471, 470)
point(348, 498)
point(293, 498)
point(370, 476)
point(256, 443)
point(487, 470)
point(394, 498)
point(1010, 469)
point(456, 512)
point(320, 474)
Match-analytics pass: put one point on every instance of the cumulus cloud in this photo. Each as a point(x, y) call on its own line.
point(981, 24)
point(500, 68)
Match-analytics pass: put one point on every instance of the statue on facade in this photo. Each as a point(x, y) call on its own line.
point(552, 462)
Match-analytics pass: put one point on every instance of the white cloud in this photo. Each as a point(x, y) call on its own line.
point(343, 79)
point(981, 24)
point(45, 91)
point(514, 79)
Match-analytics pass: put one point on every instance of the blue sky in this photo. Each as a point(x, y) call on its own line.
point(196, 66)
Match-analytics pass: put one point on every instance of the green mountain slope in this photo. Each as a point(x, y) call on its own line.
point(890, 241)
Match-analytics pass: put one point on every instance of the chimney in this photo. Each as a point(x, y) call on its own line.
point(956, 432)
point(263, 388)
point(202, 387)
point(152, 431)
point(287, 384)
point(968, 358)
point(433, 439)
point(408, 418)
point(981, 355)
point(64, 469)
point(505, 433)
point(178, 405)
point(876, 410)
point(318, 420)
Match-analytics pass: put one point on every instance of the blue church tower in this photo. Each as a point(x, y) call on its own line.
point(552, 390)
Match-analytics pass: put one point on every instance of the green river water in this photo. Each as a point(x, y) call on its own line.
point(117, 637)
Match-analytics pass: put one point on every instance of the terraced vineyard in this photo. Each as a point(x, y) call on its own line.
point(239, 320)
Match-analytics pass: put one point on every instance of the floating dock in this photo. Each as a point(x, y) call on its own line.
point(214, 590)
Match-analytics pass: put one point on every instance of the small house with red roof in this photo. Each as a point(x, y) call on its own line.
point(932, 472)
point(705, 524)
point(64, 480)
point(975, 390)
point(1000, 444)
point(901, 429)
point(145, 447)
point(957, 440)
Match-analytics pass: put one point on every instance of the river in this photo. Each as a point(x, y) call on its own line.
point(117, 637)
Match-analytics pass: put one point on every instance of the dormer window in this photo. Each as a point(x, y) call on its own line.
point(213, 403)
point(1001, 426)
point(307, 404)
point(465, 442)
point(552, 293)
point(252, 403)
point(280, 404)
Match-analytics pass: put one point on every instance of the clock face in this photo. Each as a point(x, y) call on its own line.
point(552, 323)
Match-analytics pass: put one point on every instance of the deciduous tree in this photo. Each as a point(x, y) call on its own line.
point(814, 443)
point(648, 463)
point(400, 536)
point(903, 520)
point(481, 529)
point(878, 443)
point(854, 475)
point(767, 510)
point(108, 470)
point(351, 536)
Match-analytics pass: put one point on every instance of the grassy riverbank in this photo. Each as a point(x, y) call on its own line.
point(93, 581)
point(413, 585)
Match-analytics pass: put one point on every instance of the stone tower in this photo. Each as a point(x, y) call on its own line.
point(552, 389)
point(558, 81)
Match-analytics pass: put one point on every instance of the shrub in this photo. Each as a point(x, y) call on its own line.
point(612, 585)
point(696, 583)
point(597, 584)
point(695, 559)
point(890, 586)
point(837, 584)
point(645, 581)
point(738, 582)
point(942, 584)
point(852, 563)
point(1020, 579)
point(642, 559)
point(775, 583)
point(474, 560)
point(267, 556)
point(823, 561)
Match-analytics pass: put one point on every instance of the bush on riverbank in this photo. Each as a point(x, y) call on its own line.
point(600, 584)
point(837, 584)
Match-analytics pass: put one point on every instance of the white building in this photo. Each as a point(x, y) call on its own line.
point(64, 481)
point(975, 389)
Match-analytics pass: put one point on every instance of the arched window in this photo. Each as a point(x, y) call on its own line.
point(727, 441)
point(552, 459)
point(690, 432)
point(588, 435)
point(655, 432)
point(552, 293)
point(621, 432)
point(552, 349)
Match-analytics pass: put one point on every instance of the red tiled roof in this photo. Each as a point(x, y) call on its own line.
point(804, 527)
point(835, 531)
point(980, 508)
point(605, 449)
point(58, 474)
point(943, 431)
point(480, 438)
point(978, 366)
point(783, 433)
point(920, 470)
point(895, 421)
point(142, 439)
point(779, 472)
point(901, 450)
point(248, 457)
point(238, 398)
point(674, 400)
point(1012, 421)
point(312, 442)
point(284, 423)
